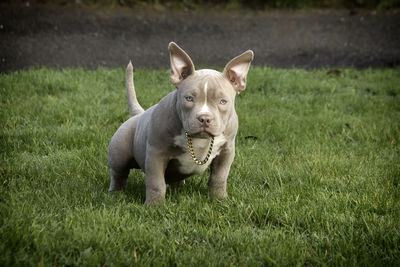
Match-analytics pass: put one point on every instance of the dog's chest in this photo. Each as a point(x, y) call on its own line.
point(201, 147)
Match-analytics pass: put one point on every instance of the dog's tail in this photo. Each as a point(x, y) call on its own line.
point(134, 106)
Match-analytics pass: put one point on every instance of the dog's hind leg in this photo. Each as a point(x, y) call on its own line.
point(120, 155)
point(118, 180)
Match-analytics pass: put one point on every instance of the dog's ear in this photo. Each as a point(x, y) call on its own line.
point(236, 70)
point(181, 64)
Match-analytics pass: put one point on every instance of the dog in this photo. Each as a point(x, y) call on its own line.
point(190, 129)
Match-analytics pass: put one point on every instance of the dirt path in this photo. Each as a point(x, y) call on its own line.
point(88, 37)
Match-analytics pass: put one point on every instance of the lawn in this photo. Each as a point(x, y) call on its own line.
point(315, 178)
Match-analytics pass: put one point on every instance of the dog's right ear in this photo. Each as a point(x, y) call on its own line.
point(181, 64)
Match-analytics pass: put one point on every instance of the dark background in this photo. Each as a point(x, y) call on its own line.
point(101, 33)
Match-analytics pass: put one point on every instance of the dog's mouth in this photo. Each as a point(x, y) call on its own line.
point(201, 133)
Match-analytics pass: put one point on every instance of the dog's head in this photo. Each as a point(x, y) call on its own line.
point(206, 97)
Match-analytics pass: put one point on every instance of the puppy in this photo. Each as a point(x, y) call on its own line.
point(190, 129)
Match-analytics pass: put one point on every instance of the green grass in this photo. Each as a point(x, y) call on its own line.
point(319, 183)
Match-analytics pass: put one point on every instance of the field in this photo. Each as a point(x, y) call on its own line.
point(315, 179)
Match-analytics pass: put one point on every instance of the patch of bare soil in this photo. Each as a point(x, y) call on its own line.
point(71, 36)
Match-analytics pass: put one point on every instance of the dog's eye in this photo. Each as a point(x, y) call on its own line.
point(189, 98)
point(223, 102)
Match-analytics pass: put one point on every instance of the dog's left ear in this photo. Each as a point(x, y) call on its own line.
point(236, 70)
point(181, 64)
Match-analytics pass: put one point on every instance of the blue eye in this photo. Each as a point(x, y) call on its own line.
point(223, 102)
point(189, 98)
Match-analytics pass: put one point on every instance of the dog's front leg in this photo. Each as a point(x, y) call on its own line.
point(219, 173)
point(155, 180)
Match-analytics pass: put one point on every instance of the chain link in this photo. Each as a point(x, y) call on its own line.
point(191, 151)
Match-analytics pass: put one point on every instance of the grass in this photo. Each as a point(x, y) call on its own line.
point(315, 179)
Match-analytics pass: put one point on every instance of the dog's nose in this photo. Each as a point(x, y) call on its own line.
point(205, 119)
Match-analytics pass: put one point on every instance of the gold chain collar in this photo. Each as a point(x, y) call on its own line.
point(191, 151)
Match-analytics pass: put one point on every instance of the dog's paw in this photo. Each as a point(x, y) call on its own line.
point(218, 194)
point(153, 202)
point(116, 189)
point(154, 198)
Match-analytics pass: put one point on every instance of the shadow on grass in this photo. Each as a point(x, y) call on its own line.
point(136, 188)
